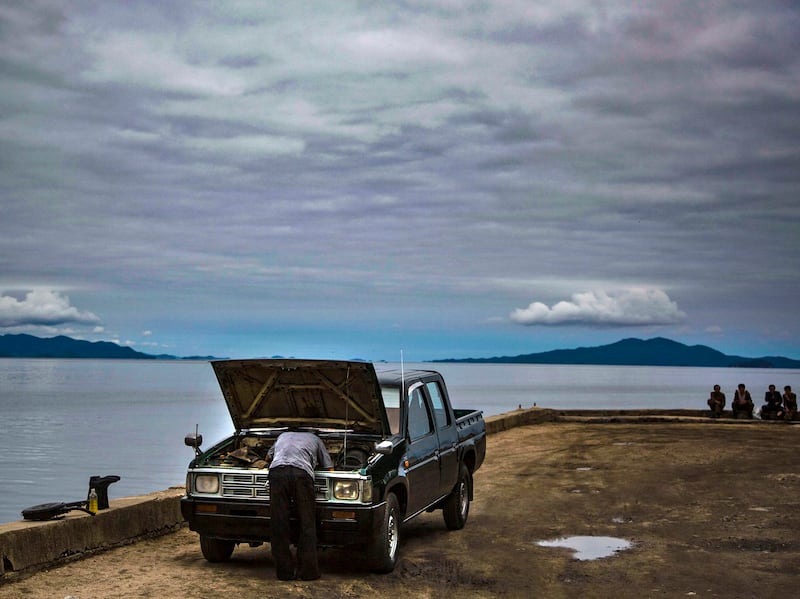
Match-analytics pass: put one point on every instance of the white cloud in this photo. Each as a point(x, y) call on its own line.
point(628, 307)
point(252, 146)
point(41, 307)
point(398, 46)
point(152, 61)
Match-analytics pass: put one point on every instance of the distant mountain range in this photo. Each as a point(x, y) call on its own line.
point(28, 346)
point(640, 352)
point(627, 352)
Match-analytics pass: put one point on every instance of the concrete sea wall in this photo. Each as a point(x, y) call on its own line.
point(28, 546)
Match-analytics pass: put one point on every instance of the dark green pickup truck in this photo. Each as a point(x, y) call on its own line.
point(399, 449)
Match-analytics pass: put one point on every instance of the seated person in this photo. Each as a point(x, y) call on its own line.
point(789, 403)
point(716, 402)
point(773, 405)
point(742, 404)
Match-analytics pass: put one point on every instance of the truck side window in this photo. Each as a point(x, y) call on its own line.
point(419, 423)
point(391, 401)
point(440, 413)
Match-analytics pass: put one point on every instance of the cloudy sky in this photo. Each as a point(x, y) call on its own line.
point(447, 178)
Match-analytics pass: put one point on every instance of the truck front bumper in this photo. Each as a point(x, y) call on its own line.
point(338, 525)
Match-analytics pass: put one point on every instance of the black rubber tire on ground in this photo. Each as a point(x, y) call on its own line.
point(456, 507)
point(48, 511)
point(45, 511)
point(216, 550)
point(383, 549)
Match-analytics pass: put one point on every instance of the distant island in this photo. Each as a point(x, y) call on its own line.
point(28, 346)
point(627, 352)
point(640, 352)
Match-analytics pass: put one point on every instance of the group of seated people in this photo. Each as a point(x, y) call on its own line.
point(776, 406)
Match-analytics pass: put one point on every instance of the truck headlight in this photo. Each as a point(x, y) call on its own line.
point(206, 483)
point(346, 489)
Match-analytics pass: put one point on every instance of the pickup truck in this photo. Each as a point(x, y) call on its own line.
point(398, 446)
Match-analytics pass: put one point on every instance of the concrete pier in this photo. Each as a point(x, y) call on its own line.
point(27, 546)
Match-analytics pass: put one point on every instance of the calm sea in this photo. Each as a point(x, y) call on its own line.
point(62, 421)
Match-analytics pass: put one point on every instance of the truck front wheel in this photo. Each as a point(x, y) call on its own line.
point(382, 550)
point(216, 550)
point(456, 507)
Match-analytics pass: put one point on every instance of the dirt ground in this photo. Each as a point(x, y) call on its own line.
point(711, 510)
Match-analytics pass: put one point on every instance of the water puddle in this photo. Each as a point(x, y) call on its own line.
point(584, 468)
point(589, 548)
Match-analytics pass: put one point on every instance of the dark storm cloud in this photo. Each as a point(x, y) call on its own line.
point(249, 160)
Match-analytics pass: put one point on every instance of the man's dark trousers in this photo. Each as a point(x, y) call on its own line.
point(287, 483)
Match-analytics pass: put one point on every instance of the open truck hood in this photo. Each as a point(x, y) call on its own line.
point(315, 393)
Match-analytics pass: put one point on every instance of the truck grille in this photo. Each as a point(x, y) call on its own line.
point(256, 486)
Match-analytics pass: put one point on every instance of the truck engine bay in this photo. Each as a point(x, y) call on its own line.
point(250, 451)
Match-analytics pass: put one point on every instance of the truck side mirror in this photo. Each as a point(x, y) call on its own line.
point(384, 447)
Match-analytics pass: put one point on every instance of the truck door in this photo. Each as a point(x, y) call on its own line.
point(422, 472)
point(448, 438)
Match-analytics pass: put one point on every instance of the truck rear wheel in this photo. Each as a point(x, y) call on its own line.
point(383, 548)
point(216, 550)
point(456, 507)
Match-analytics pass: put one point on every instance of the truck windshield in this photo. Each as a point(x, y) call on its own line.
point(391, 401)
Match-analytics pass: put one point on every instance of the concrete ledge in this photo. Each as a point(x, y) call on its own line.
point(27, 546)
point(523, 417)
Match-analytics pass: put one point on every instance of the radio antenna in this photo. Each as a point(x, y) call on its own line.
point(346, 413)
point(402, 378)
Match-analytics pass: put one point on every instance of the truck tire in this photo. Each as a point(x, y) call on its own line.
point(383, 549)
point(216, 550)
point(456, 507)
